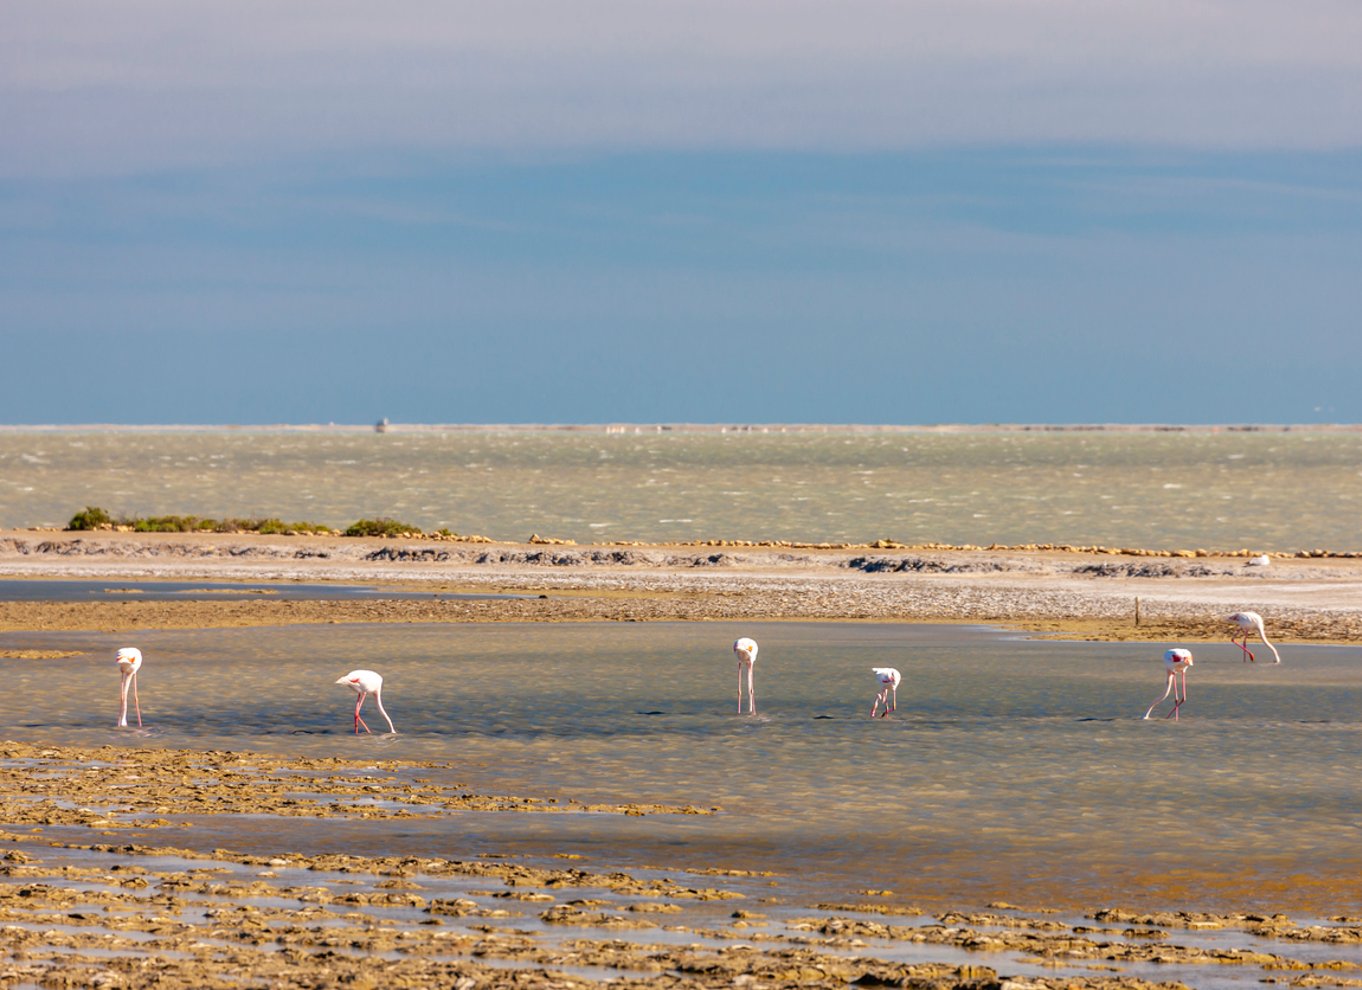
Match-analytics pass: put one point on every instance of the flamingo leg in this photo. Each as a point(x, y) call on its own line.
point(751, 694)
point(1178, 701)
point(137, 704)
point(123, 701)
point(359, 702)
point(875, 707)
point(893, 698)
point(739, 687)
point(1248, 654)
point(378, 700)
point(1165, 694)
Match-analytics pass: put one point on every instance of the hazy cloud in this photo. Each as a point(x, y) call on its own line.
point(88, 87)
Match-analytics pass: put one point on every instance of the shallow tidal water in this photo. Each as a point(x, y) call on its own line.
point(1013, 769)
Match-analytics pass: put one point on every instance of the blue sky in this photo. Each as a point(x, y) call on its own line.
point(911, 212)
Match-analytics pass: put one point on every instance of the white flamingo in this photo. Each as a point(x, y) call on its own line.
point(1250, 622)
point(888, 679)
point(1175, 663)
point(129, 662)
point(746, 649)
point(365, 683)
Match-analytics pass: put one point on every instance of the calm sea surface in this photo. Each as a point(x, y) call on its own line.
point(1262, 490)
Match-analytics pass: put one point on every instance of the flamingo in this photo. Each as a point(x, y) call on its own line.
point(365, 683)
point(888, 679)
point(746, 649)
point(1175, 662)
point(1249, 622)
point(129, 661)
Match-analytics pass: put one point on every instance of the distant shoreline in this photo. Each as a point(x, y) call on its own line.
point(642, 428)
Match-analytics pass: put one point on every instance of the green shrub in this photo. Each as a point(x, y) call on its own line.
point(170, 524)
point(92, 518)
point(96, 518)
point(381, 527)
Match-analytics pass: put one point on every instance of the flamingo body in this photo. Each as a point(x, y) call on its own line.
point(1175, 664)
point(746, 649)
point(1250, 622)
point(365, 683)
point(888, 678)
point(129, 660)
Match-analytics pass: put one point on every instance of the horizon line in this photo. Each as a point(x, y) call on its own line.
point(385, 426)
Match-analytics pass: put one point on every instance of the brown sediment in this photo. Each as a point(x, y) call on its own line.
point(119, 788)
point(1089, 593)
point(115, 913)
point(38, 654)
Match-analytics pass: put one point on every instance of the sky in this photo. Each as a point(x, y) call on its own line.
point(748, 211)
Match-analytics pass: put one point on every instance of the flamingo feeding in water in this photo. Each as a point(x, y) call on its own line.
point(1250, 622)
point(746, 649)
point(888, 679)
point(1175, 662)
point(365, 683)
point(129, 662)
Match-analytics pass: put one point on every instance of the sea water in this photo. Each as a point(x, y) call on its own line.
point(1013, 768)
point(1262, 490)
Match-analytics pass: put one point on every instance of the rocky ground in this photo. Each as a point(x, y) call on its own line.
point(1080, 593)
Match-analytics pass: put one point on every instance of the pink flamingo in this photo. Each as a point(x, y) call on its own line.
point(1175, 662)
point(365, 683)
point(1249, 622)
point(129, 662)
point(888, 679)
point(746, 649)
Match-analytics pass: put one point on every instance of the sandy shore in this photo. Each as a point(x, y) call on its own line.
point(1074, 593)
point(105, 879)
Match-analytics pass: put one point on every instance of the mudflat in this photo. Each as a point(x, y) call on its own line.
point(1081, 593)
point(104, 881)
point(113, 873)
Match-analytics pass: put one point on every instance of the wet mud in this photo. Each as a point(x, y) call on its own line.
point(95, 892)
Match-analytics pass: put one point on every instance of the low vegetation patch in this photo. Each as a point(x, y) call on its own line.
point(382, 526)
point(94, 518)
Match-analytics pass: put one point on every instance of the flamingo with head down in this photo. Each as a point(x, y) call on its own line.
point(746, 649)
point(1175, 664)
point(129, 661)
point(365, 683)
point(888, 679)
point(1250, 622)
